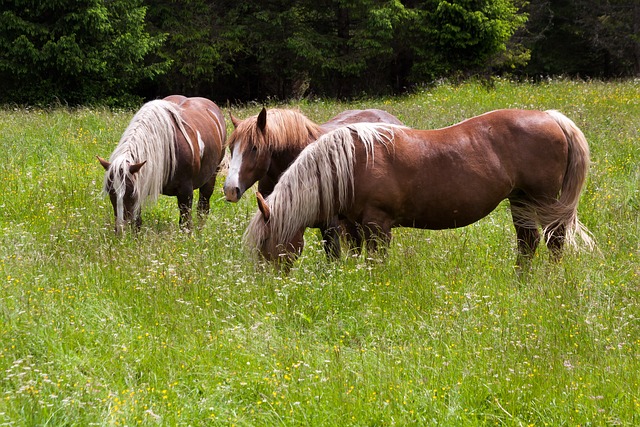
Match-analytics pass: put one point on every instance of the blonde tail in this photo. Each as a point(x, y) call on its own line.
point(565, 212)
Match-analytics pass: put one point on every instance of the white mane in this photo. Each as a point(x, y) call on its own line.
point(307, 192)
point(149, 137)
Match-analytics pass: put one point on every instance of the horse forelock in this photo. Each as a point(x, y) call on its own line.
point(150, 137)
point(285, 129)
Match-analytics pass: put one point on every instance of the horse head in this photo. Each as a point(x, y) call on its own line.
point(250, 160)
point(269, 244)
point(119, 184)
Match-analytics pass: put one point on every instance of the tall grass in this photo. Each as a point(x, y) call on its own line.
point(163, 328)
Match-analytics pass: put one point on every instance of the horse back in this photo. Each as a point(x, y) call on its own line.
point(371, 115)
point(176, 99)
point(205, 117)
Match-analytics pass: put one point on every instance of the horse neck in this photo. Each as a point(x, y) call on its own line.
point(286, 145)
point(290, 130)
point(320, 181)
point(281, 160)
point(304, 197)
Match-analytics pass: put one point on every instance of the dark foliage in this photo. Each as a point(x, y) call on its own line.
point(123, 51)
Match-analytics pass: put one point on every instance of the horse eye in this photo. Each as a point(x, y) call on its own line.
point(254, 148)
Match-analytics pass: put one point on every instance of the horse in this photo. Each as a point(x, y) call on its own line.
point(172, 146)
point(263, 146)
point(381, 176)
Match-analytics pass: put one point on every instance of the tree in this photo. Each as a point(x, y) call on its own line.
point(612, 27)
point(204, 44)
point(74, 51)
point(593, 38)
point(97, 50)
point(463, 37)
point(348, 47)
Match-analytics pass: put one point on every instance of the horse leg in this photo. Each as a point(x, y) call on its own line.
point(331, 238)
point(376, 226)
point(354, 235)
point(377, 238)
point(528, 239)
point(203, 199)
point(331, 241)
point(527, 233)
point(555, 241)
point(185, 200)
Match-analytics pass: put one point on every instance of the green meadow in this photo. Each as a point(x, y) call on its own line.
point(174, 329)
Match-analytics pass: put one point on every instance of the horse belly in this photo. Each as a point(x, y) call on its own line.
point(205, 167)
point(429, 206)
point(448, 197)
point(443, 210)
point(208, 169)
point(439, 218)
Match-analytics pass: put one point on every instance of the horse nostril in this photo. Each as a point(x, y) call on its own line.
point(232, 194)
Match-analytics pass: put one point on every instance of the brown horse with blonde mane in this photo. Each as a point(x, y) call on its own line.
point(264, 146)
point(172, 146)
point(382, 176)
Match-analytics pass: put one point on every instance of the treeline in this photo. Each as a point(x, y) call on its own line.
point(119, 51)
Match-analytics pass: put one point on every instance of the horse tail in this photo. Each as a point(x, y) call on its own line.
point(565, 215)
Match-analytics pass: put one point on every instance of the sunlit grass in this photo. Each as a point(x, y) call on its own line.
point(163, 328)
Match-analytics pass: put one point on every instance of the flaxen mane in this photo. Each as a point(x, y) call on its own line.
point(320, 180)
point(285, 129)
point(149, 137)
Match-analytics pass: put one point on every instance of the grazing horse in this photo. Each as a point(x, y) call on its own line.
point(172, 147)
point(263, 146)
point(382, 176)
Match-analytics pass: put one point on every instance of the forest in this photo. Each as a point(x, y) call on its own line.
point(120, 52)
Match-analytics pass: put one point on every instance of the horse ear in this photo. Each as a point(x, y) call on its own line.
point(133, 169)
point(262, 120)
point(264, 208)
point(104, 163)
point(234, 120)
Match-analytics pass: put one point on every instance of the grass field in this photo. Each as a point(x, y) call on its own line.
point(170, 329)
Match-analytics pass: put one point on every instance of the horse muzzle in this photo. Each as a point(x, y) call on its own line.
point(232, 194)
